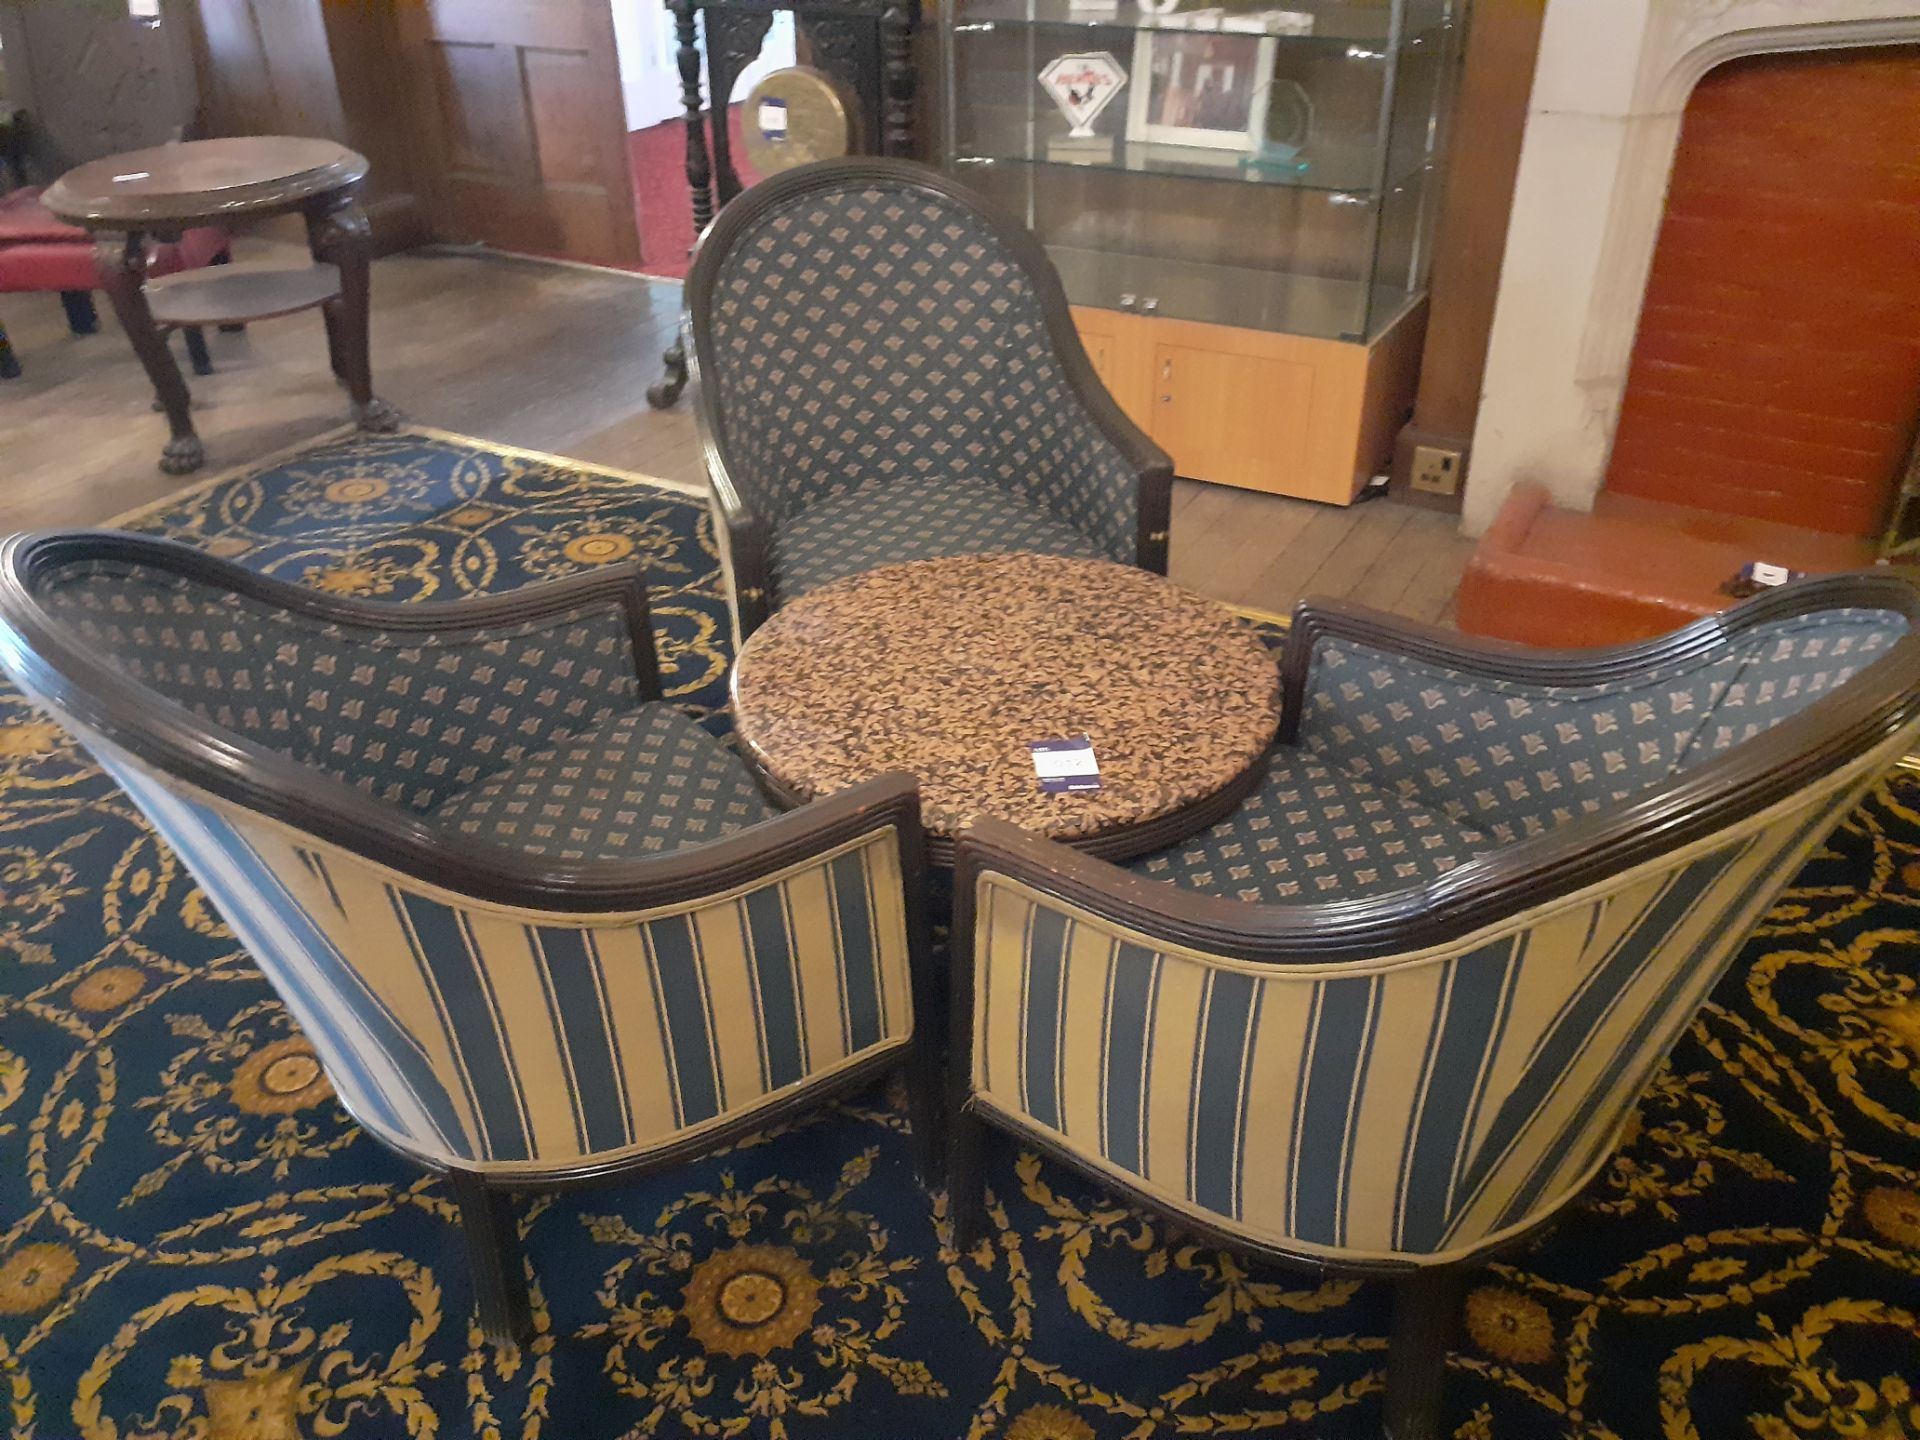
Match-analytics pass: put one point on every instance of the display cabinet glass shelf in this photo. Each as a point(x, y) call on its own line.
point(1269, 172)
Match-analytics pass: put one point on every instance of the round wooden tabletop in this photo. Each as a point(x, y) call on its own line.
point(949, 668)
point(202, 180)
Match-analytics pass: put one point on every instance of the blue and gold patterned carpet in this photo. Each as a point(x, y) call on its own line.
point(195, 1242)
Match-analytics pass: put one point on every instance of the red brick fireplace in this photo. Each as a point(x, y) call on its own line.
point(1773, 391)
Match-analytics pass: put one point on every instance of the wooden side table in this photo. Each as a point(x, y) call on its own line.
point(126, 198)
point(948, 668)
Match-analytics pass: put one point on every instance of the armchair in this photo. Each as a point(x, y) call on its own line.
point(538, 926)
point(889, 372)
point(1394, 1014)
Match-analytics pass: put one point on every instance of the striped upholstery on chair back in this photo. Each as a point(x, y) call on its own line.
point(1515, 759)
point(512, 1040)
point(410, 717)
point(871, 333)
point(1413, 1108)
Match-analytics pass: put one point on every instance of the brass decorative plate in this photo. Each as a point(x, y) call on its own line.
point(795, 116)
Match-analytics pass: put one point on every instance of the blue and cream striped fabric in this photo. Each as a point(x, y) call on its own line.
point(510, 1040)
point(1413, 1107)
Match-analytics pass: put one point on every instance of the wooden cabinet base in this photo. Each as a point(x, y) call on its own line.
point(1286, 414)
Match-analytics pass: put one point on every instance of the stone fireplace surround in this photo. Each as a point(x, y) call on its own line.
point(1609, 90)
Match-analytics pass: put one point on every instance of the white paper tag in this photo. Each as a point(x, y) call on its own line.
point(773, 119)
point(1063, 765)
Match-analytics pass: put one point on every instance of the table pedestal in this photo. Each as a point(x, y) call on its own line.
point(338, 235)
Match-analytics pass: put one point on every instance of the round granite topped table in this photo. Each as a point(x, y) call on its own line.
point(170, 188)
point(948, 668)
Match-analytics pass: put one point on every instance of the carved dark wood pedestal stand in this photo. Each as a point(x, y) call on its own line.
point(125, 199)
point(865, 44)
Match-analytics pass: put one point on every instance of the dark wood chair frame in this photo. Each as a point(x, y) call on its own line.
point(748, 535)
point(174, 741)
point(1875, 705)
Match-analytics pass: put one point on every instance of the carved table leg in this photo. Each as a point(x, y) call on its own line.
point(121, 264)
point(699, 172)
point(225, 257)
point(336, 346)
point(900, 83)
point(338, 233)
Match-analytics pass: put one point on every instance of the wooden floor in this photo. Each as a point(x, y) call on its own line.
point(558, 358)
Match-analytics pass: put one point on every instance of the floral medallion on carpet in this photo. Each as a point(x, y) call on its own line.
point(196, 1242)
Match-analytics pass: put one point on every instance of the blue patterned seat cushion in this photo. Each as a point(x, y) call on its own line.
point(1311, 833)
point(894, 520)
point(643, 783)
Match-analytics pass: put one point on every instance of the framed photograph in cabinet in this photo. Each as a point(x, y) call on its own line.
point(1207, 89)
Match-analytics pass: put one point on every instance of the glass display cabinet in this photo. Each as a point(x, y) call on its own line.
point(1240, 199)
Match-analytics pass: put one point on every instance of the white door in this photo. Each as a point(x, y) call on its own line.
point(650, 73)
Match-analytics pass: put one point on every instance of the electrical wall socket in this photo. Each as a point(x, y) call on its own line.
point(1436, 471)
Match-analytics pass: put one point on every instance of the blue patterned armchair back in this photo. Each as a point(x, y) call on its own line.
point(1415, 1078)
point(871, 331)
point(1514, 759)
point(293, 761)
point(409, 717)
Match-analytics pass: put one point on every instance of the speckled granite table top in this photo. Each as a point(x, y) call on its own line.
point(947, 668)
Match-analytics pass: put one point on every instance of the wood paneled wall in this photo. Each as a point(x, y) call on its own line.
point(96, 80)
point(328, 68)
point(1483, 155)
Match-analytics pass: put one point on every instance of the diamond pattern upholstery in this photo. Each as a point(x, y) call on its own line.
point(1404, 769)
point(412, 718)
point(1517, 760)
point(871, 336)
point(1311, 833)
point(185, 640)
point(912, 520)
point(643, 783)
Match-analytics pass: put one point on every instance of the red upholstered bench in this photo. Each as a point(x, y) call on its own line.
point(40, 253)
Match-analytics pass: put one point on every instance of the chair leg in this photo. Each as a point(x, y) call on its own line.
point(926, 1091)
point(197, 350)
point(493, 1254)
point(82, 318)
point(966, 1181)
point(9, 364)
point(1426, 1314)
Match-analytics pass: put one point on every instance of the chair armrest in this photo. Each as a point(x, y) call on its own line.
point(620, 589)
point(746, 540)
point(1167, 914)
point(1122, 495)
point(1477, 657)
point(745, 526)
